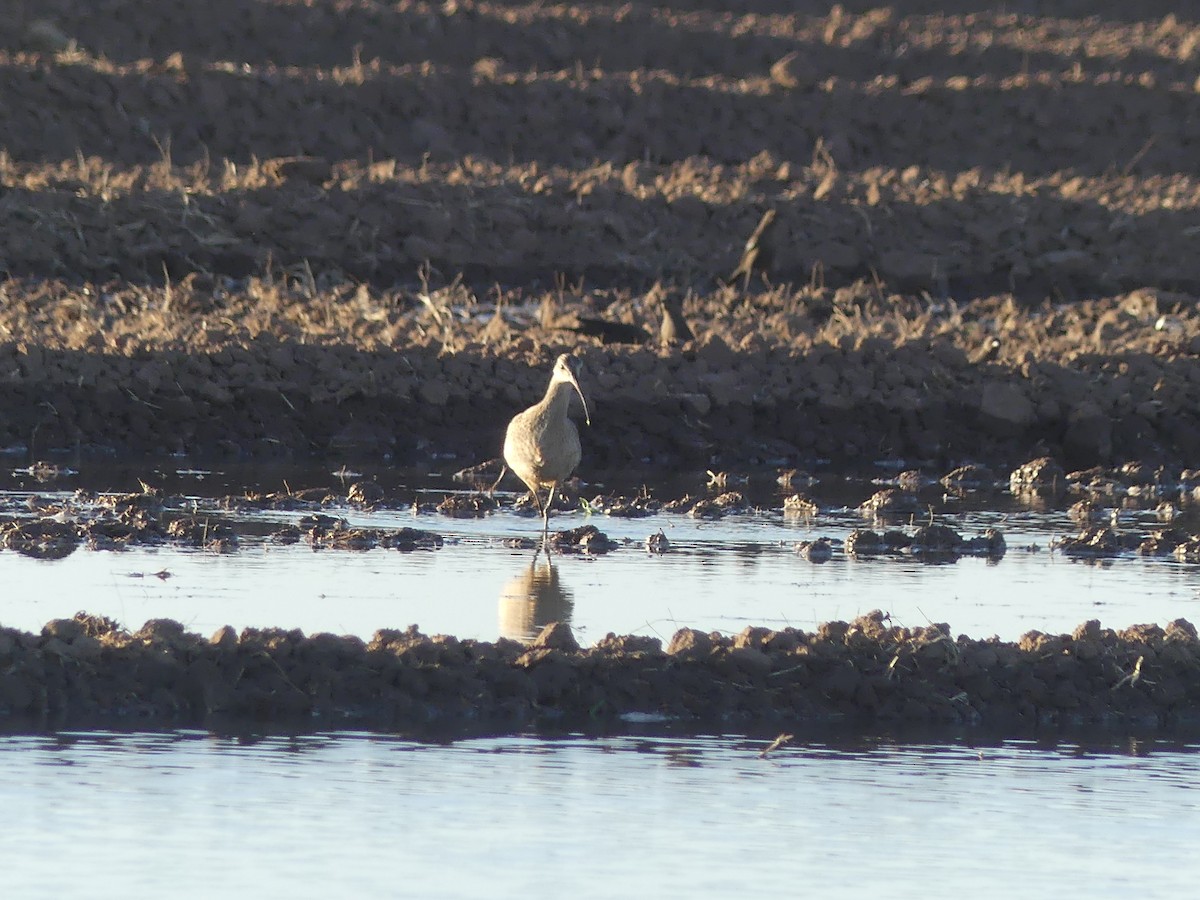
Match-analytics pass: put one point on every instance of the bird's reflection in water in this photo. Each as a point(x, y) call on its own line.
point(533, 599)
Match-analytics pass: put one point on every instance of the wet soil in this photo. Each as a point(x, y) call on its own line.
point(1131, 509)
point(279, 230)
point(866, 670)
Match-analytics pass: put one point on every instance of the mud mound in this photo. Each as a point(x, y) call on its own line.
point(87, 667)
point(282, 369)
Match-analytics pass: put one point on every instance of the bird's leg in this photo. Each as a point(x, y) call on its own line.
point(503, 472)
point(544, 509)
point(546, 520)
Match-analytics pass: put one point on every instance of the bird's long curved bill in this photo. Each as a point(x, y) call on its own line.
point(582, 399)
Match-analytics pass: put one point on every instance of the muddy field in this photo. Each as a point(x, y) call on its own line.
point(354, 229)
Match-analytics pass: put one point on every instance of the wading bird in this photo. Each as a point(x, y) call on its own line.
point(542, 444)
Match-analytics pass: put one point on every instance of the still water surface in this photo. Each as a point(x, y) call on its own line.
point(192, 814)
point(476, 587)
point(719, 575)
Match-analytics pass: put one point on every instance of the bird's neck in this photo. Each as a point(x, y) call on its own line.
point(558, 397)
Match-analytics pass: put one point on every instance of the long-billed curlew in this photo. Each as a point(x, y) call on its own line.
point(542, 443)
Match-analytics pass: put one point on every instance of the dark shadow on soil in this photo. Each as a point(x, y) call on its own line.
point(1036, 127)
point(688, 39)
point(1034, 245)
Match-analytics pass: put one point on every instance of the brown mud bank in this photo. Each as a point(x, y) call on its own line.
point(868, 671)
point(283, 369)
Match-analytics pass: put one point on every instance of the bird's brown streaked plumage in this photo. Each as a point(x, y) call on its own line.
point(674, 329)
point(759, 252)
point(541, 444)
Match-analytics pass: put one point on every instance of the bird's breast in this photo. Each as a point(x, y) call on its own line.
point(541, 449)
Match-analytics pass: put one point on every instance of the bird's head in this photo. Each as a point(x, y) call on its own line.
point(566, 371)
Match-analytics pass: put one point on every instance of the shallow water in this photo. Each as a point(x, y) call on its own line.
point(719, 575)
point(196, 814)
point(191, 813)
